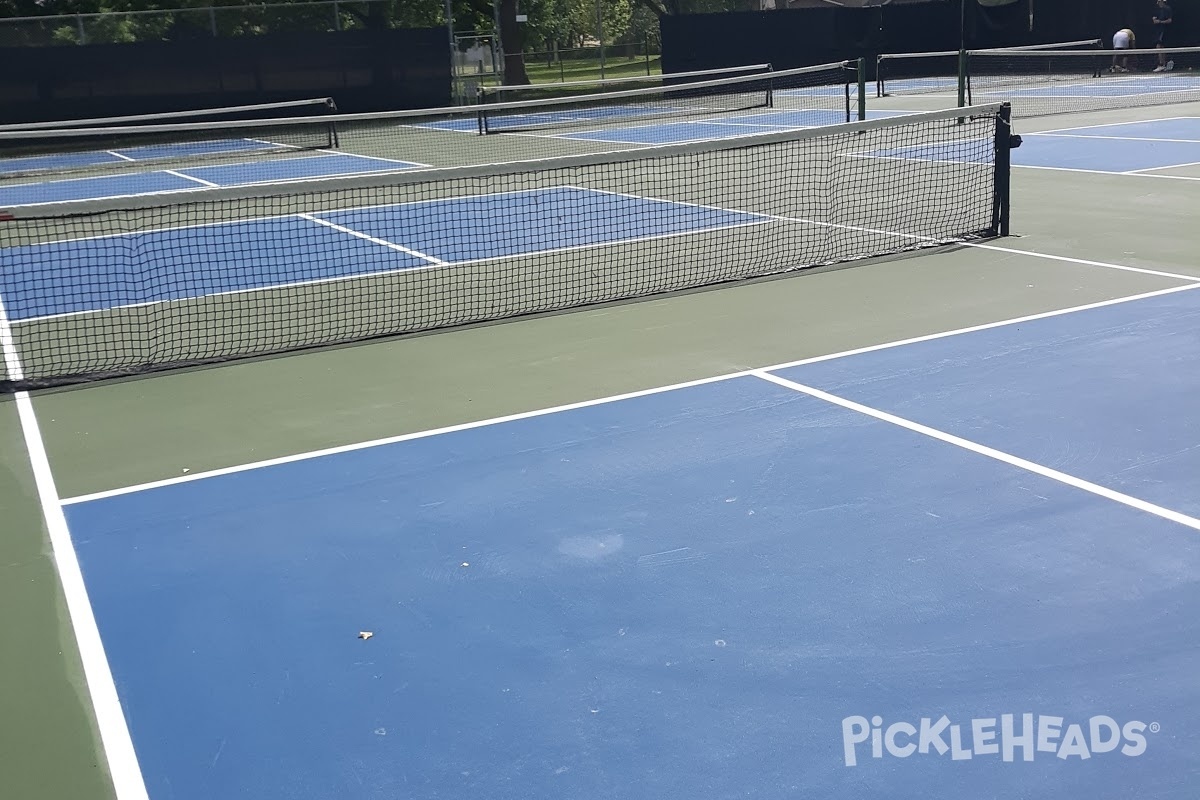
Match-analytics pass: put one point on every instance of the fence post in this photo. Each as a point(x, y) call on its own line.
point(337, 18)
point(600, 36)
point(82, 32)
point(499, 38)
point(212, 20)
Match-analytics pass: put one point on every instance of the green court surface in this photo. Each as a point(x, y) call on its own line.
point(1079, 238)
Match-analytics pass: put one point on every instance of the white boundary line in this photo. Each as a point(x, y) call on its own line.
point(1194, 279)
point(1149, 170)
point(115, 154)
point(126, 774)
point(610, 399)
point(1105, 172)
point(1112, 138)
point(984, 450)
point(192, 178)
point(374, 240)
point(1114, 124)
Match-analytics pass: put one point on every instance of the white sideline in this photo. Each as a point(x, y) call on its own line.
point(126, 774)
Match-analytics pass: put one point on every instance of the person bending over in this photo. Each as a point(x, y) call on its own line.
point(1122, 40)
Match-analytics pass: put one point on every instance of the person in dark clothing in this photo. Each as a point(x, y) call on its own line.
point(1162, 23)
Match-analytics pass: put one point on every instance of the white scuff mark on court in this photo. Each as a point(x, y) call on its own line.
point(380, 731)
point(931, 514)
point(730, 499)
point(677, 556)
point(364, 635)
point(592, 547)
point(220, 749)
point(465, 564)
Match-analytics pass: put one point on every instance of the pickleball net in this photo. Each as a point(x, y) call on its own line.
point(824, 88)
point(940, 72)
point(546, 91)
point(129, 285)
point(1046, 80)
point(283, 108)
point(1040, 83)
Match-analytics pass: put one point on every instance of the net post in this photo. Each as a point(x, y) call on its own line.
point(862, 88)
point(879, 88)
point(770, 87)
point(962, 78)
point(1002, 183)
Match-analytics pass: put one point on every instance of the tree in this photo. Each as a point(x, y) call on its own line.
point(669, 7)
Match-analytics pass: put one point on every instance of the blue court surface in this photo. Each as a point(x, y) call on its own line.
point(89, 274)
point(1120, 148)
point(758, 586)
point(191, 178)
point(63, 161)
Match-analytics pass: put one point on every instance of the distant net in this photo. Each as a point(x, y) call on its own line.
point(824, 87)
point(65, 152)
point(37, 165)
point(546, 91)
point(1059, 82)
point(287, 108)
point(938, 72)
point(123, 286)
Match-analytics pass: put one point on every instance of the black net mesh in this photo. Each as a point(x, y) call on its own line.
point(115, 287)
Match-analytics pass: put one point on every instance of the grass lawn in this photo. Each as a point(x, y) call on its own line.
point(589, 69)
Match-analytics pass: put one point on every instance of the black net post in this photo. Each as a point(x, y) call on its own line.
point(1002, 183)
point(964, 79)
point(862, 88)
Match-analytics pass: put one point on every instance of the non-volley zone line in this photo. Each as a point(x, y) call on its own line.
point(304, 249)
point(617, 398)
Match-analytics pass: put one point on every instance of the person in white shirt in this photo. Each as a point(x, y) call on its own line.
point(1122, 40)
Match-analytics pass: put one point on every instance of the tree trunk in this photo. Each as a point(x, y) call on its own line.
point(512, 41)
